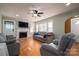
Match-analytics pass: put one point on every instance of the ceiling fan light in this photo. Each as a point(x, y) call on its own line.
point(17, 15)
point(35, 14)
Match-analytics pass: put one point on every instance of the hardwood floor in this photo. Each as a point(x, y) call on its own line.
point(75, 50)
point(29, 47)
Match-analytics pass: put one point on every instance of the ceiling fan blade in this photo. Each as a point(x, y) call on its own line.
point(35, 11)
point(40, 13)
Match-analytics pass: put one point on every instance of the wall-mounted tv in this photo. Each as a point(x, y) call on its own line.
point(23, 24)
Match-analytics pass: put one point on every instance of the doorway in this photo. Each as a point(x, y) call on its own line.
point(9, 27)
point(75, 26)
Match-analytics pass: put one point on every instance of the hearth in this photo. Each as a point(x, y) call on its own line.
point(22, 34)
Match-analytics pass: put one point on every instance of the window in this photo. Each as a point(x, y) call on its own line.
point(41, 27)
point(9, 25)
point(37, 26)
point(50, 27)
point(44, 27)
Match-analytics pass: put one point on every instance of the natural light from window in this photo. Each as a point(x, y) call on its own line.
point(44, 27)
point(50, 27)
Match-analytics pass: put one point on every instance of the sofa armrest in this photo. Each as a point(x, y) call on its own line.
point(13, 49)
point(47, 50)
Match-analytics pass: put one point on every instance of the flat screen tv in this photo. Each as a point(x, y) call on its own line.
point(23, 24)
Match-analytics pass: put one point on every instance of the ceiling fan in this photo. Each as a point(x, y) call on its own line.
point(36, 13)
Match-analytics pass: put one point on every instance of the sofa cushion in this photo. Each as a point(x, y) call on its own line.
point(37, 33)
point(45, 36)
point(40, 36)
point(2, 37)
point(53, 45)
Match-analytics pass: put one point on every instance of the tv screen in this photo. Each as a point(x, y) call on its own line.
point(23, 24)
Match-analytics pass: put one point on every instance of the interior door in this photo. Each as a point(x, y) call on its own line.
point(67, 26)
point(9, 27)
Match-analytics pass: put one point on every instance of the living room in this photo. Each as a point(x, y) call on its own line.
point(31, 28)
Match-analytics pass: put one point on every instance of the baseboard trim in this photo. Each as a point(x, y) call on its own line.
point(77, 42)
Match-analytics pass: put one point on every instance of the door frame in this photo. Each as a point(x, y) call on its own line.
point(8, 20)
point(67, 28)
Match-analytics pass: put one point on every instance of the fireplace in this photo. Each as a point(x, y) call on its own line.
point(22, 34)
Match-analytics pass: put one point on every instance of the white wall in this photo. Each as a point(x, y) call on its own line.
point(58, 21)
point(31, 28)
point(17, 29)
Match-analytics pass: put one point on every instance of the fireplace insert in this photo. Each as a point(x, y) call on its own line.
point(22, 34)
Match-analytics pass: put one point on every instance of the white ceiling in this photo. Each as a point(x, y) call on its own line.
point(24, 9)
